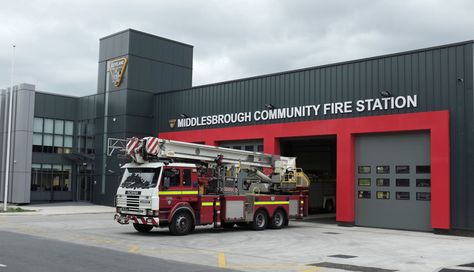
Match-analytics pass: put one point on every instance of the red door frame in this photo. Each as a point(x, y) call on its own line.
point(345, 129)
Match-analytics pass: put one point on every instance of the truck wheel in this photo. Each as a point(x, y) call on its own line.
point(260, 220)
point(181, 224)
point(143, 228)
point(278, 219)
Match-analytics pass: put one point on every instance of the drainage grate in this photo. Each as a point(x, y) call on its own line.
point(352, 267)
point(467, 265)
point(329, 232)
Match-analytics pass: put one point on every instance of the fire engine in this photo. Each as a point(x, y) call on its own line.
point(182, 185)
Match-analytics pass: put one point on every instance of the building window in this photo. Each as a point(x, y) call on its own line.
point(35, 177)
point(38, 125)
point(52, 135)
point(249, 148)
point(47, 177)
point(85, 136)
point(247, 145)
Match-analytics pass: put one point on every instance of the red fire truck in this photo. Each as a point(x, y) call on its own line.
point(181, 185)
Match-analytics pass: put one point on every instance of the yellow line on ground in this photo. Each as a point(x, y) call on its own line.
point(134, 249)
point(276, 266)
point(311, 269)
point(221, 260)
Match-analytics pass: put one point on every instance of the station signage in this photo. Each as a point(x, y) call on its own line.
point(334, 108)
point(117, 69)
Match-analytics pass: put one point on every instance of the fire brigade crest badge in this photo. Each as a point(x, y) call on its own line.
point(172, 123)
point(117, 69)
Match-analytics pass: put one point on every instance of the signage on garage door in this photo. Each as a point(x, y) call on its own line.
point(393, 181)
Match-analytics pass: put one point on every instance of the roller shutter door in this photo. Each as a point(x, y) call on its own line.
point(393, 185)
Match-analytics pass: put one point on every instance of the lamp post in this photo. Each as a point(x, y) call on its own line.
point(9, 135)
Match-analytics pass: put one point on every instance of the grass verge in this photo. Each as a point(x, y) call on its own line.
point(15, 209)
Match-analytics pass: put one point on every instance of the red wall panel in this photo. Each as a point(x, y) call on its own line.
point(345, 129)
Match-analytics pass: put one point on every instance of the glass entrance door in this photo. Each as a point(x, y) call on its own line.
point(84, 183)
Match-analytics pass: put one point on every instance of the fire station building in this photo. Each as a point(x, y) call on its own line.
point(387, 141)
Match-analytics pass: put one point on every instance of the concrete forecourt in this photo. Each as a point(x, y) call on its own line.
point(316, 244)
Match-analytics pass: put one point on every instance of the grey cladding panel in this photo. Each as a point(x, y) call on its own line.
point(140, 103)
point(150, 75)
point(55, 106)
point(145, 45)
point(114, 46)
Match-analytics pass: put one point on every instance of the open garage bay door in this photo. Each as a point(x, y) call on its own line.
point(393, 185)
point(317, 157)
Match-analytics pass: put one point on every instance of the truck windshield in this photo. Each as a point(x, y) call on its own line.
point(140, 178)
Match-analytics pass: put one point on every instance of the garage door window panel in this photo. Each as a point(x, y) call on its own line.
point(383, 182)
point(383, 169)
point(364, 169)
point(402, 182)
point(423, 169)
point(402, 169)
point(402, 195)
point(383, 195)
point(364, 194)
point(423, 196)
point(364, 182)
point(426, 183)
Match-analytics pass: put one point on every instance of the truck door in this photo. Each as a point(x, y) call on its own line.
point(189, 185)
point(170, 187)
point(177, 186)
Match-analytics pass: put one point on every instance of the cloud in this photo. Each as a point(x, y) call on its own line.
point(57, 41)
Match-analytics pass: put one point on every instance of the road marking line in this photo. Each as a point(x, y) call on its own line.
point(312, 269)
point(2, 265)
point(134, 249)
point(221, 260)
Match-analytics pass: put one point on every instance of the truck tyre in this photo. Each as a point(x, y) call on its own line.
point(278, 220)
point(181, 224)
point(143, 228)
point(260, 220)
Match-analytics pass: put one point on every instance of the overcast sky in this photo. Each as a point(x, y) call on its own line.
point(58, 41)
